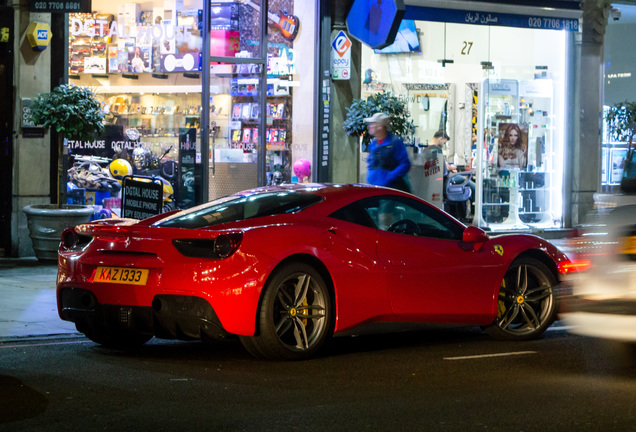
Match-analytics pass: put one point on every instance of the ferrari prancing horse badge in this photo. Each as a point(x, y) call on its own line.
point(499, 249)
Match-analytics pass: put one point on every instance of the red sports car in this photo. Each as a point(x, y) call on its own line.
point(286, 267)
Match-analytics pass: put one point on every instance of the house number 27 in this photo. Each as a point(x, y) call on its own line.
point(466, 48)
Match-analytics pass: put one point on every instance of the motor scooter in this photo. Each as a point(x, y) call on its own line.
point(457, 196)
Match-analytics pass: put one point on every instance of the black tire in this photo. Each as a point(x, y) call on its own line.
point(114, 339)
point(250, 346)
point(296, 315)
point(527, 305)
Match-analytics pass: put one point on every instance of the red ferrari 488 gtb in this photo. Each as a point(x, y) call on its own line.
point(286, 267)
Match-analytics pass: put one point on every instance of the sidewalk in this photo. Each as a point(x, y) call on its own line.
point(28, 306)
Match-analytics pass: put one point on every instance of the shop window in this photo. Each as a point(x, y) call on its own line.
point(451, 85)
point(144, 60)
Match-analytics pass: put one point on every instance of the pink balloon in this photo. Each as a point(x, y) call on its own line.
point(302, 169)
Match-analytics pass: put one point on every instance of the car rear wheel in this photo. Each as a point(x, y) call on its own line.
point(295, 318)
point(527, 303)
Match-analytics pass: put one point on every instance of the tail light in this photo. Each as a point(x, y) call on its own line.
point(73, 240)
point(218, 248)
point(567, 267)
point(69, 239)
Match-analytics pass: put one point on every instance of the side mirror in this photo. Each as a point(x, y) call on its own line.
point(472, 234)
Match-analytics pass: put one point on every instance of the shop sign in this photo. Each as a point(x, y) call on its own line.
point(144, 34)
point(490, 18)
point(141, 197)
point(341, 57)
point(375, 23)
point(187, 163)
point(73, 6)
point(503, 87)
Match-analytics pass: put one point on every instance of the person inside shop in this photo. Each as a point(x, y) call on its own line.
point(388, 162)
point(511, 149)
point(440, 138)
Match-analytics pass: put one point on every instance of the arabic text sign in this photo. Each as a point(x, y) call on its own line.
point(490, 18)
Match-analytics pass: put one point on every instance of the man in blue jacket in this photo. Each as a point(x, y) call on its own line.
point(388, 161)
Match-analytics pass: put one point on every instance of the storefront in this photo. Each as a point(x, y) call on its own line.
point(618, 87)
point(205, 96)
point(495, 79)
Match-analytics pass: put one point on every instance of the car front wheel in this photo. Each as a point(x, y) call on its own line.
point(295, 318)
point(526, 303)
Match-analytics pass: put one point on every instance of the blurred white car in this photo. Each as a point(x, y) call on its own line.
point(600, 299)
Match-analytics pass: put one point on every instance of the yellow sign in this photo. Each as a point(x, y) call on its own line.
point(4, 34)
point(39, 35)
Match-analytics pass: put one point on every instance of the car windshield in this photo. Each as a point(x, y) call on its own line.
point(238, 207)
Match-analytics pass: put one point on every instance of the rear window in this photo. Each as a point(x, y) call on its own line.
point(237, 208)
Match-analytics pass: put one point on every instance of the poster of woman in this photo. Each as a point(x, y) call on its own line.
point(513, 146)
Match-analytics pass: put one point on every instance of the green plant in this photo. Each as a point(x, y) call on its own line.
point(72, 111)
point(621, 121)
point(384, 102)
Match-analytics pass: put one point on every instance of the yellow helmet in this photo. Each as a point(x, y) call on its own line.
point(168, 190)
point(120, 168)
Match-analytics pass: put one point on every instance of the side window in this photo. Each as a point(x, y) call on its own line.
point(354, 213)
point(406, 216)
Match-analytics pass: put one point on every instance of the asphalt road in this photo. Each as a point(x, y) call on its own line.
point(423, 380)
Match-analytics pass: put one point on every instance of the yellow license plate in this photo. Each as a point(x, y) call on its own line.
point(121, 275)
point(629, 245)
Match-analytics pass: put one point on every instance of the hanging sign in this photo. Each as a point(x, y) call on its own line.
point(375, 23)
point(341, 57)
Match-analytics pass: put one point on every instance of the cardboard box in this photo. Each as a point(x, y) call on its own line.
point(128, 13)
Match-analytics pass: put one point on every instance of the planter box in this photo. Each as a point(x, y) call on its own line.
point(46, 223)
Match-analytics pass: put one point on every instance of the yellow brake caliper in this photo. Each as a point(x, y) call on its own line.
point(501, 305)
point(305, 311)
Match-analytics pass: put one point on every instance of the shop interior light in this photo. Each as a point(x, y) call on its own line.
point(74, 77)
point(192, 75)
point(130, 76)
point(160, 76)
point(444, 62)
point(96, 76)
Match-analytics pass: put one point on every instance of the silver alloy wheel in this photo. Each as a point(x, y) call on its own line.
point(526, 303)
point(296, 315)
point(299, 312)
